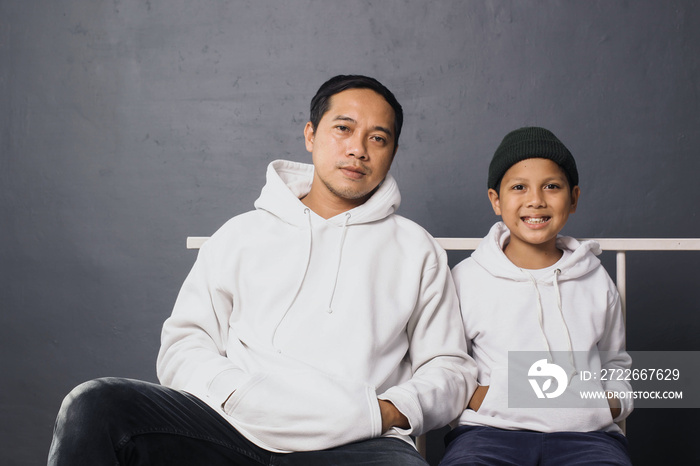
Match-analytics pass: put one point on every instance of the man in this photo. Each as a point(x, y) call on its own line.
point(320, 328)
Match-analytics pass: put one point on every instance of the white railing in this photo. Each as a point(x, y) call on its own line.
point(619, 245)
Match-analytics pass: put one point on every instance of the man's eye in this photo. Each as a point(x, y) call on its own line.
point(379, 139)
point(342, 128)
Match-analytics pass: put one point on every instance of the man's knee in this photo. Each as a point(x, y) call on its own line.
point(95, 400)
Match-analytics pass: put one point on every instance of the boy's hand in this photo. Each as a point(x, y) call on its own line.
point(478, 397)
point(614, 403)
point(391, 416)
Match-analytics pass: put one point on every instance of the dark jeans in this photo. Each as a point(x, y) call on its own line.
point(127, 422)
point(477, 445)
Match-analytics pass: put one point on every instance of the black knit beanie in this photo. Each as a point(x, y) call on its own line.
point(528, 143)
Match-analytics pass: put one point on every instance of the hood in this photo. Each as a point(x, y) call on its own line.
point(489, 255)
point(288, 181)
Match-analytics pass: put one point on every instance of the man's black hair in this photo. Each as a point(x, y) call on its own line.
point(337, 84)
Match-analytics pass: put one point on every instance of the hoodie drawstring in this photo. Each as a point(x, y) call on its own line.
point(307, 212)
point(329, 309)
point(563, 321)
point(540, 318)
point(340, 255)
point(540, 315)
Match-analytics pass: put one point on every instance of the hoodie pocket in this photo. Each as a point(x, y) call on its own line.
point(497, 395)
point(304, 411)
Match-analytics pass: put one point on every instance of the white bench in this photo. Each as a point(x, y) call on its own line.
point(619, 245)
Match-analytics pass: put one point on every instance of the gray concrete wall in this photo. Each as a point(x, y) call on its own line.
point(128, 125)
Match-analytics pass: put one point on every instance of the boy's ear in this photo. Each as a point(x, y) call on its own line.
point(309, 136)
point(575, 193)
point(495, 201)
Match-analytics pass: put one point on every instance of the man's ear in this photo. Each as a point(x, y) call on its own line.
point(495, 201)
point(309, 136)
point(575, 193)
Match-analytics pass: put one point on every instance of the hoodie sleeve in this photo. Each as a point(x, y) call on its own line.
point(444, 375)
point(613, 354)
point(194, 338)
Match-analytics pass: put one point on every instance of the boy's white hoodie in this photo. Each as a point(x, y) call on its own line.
point(573, 305)
point(308, 321)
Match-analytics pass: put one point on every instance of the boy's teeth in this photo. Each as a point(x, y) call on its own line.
point(536, 220)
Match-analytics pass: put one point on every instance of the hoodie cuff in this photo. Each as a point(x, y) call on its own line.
point(408, 406)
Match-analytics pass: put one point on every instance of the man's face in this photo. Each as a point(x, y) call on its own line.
point(352, 147)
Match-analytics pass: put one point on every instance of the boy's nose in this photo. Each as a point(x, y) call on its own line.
point(536, 199)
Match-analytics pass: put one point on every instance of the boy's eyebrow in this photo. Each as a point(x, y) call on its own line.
point(549, 178)
point(515, 180)
point(555, 177)
point(352, 120)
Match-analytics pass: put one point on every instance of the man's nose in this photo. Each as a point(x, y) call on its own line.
point(357, 147)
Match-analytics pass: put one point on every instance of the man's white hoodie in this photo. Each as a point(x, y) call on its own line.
point(291, 326)
point(571, 307)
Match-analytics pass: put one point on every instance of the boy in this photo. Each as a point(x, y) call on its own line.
point(527, 289)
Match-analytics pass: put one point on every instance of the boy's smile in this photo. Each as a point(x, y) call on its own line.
point(534, 201)
point(536, 220)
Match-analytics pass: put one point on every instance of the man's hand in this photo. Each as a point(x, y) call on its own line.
point(478, 397)
point(392, 417)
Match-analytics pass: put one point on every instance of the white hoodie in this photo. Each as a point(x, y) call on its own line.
point(572, 305)
point(308, 321)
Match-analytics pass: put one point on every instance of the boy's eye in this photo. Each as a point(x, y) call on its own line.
point(518, 187)
point(552, 186)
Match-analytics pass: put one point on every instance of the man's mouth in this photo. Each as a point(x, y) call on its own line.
point(353, 171)
point(535, 220)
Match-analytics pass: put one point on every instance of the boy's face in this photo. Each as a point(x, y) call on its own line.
point(535, 201)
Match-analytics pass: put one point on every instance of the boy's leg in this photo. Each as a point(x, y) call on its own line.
point(585, 448)
point(119, 421)
point(479, 445)
point(383, 451)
